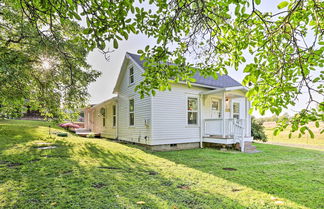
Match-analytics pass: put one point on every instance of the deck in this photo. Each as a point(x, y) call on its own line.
point(85, 132)
point(227, 140)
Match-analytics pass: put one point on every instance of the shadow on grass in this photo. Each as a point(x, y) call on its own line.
point(76, 175)
point(35, 178)
point(93, 173)
point(136, 179)
point(290, 173)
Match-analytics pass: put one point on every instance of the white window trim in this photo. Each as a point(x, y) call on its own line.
point(114, 115)
point(104, 118)
point(131, 126)
point(187, 111)
point(129, 75)
point(239, 109)
point(218, 100)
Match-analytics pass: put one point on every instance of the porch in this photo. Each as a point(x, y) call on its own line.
point(224, 117)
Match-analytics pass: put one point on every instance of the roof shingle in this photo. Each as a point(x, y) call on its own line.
point(223, 81)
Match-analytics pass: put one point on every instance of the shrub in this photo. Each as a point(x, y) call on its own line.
point(257, 130)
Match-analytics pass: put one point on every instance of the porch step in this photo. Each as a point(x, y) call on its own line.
point(249, 148)
point(85, 132)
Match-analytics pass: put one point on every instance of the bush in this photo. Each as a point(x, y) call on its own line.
point(257, 130)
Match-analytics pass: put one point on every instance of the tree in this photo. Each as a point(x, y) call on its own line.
point(257, 130)
point(286, 47)
point(281, 52)
point(41, 68)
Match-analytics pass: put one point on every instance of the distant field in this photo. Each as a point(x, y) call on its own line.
point(305, 139)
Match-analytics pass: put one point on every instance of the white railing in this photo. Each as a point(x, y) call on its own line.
point(215, 126)
point(238, 134)
point(234, 128)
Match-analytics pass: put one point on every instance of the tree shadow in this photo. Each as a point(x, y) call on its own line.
point(95, 173)
point(284, 172)
point(136, 179)
point(80, 175)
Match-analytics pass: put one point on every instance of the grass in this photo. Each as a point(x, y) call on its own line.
point(315, 143)
point(97, 173)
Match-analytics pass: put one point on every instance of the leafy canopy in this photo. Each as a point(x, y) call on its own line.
point(281, 53)
point(43, 67)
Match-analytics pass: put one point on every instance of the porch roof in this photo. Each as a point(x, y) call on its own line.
point(228, 89)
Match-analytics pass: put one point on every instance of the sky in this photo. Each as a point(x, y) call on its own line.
point(102, 89)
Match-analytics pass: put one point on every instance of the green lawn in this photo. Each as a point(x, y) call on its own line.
point(97, 173)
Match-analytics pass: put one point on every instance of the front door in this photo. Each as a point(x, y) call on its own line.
point(215, 108)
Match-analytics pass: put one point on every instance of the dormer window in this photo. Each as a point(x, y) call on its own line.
point(131, 75)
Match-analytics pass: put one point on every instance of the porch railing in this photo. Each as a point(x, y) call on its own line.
point(215, 126)
point(234, 128)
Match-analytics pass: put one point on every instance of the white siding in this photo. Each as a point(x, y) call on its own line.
point(166, 112)
point(89, 118)
point(169, 116)
point(207, 101)
point(139, 133)
point(109, 131)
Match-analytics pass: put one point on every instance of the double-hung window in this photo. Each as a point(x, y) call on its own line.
point(236, 110)
point(131, 75)
point(131, 112)
point(103, 115)
point(192, 111)
point(114, 110)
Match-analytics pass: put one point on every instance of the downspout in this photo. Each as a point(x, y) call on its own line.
point(223, 112)
point(117, 116)
point(201, 120)
point(246, 116)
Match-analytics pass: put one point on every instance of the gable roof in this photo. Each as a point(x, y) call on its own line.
point(223, 81)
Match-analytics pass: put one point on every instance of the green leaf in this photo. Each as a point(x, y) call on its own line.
point(102, 45)
point(311, 133)
point(87, 31)
point(257, 2)
point(282, 5)
point(115, 43)
point(317, 124)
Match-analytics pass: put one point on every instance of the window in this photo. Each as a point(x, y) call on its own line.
point(192, 111)
point(103, 114)
point(114, 115)
point(215, 105)
point(131, 75)
point(131, 112)
point(236, 110)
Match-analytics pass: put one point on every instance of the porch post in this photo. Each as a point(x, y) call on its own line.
point(202, 123)
point(246, 116)
point(223, 113)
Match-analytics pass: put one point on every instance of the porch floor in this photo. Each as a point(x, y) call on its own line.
point(219, 137)
point(227, 140)
point(85, 132)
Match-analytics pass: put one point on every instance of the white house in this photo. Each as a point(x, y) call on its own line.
point(211, 112)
